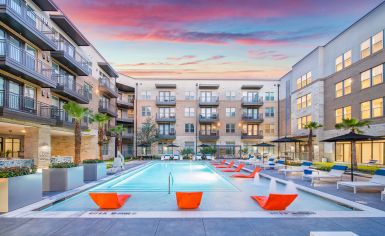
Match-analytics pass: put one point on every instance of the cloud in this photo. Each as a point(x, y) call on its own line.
point(213, 58)
point(266, 54)
point(181, 58)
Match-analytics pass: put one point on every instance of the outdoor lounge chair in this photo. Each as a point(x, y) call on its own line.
point(239, 168)
point(271, 165)
point(249, 176)
point(297, 169)
point(377, 181)
point(382, 195)
point(188, 200)
point(198, 157)
point(165, 157)
point(109, 200)
point(275, 202)
point(117, 165)
point(175, 157)
point(335, 173)
point(209, 157)
point(228, 166)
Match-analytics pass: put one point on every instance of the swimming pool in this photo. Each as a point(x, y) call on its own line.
point(149, 188)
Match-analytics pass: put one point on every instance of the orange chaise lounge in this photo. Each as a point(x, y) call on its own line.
point(219, 163)
point(109, 200)
point(228, 166)
point(239, 168)
point(249, 176)
point(188, 200)
point(275, 202)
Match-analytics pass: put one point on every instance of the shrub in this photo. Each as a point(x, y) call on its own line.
point(208, 150)
point(16, 171)
point(187, 152)
point(92, 161)
point(327, 166)
point(63, 165)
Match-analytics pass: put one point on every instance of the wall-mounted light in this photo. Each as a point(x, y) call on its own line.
point(23, 131)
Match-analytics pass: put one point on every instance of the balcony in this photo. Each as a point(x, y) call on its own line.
point(71, 58)
point(72, 90)
point(255, 118)
point(16, 107)
point(107, 108)
point(252, 102)
point(207, 135)
point(28, 24)
point(203, 118)
point(209, 101)
point(258, 135)
point(167, 136)
point(129, 103)
point(108, 88)
point(21, 63)
point(162, 118)
point(125, 119)
point(166, 101)
point(64, 120)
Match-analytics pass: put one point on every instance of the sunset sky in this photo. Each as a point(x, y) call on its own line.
point(227, 39)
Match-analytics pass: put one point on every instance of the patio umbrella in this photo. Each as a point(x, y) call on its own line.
point(203, 145)
point(351, 137)
point(263, 145)
point(172, 147)
point(286, 140)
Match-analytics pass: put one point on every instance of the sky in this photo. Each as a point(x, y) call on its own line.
point(210, 39)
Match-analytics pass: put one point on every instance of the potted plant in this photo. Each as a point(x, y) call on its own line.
point(19, 187)
point(62, 177)
point(94, 169)
point(187, 152)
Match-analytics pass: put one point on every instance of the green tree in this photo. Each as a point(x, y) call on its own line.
point(117, 131)
point(148, 133)
point(101, 120)
point(354, 126)
point(78, 113)
point(312, 125)
point(187, 152)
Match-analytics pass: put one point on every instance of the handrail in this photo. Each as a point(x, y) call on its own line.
point(170, 182)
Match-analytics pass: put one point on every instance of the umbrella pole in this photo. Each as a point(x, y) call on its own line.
point(351, 163)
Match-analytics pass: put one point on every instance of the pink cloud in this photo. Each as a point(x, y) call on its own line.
point(181, 58)
point(266, 54)
point(213, 58)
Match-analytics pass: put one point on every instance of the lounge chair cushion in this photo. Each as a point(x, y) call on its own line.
point(275, 202)
point(239, 168)
point(188, 200)
point(109, 200)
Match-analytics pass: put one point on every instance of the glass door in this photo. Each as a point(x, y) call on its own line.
point(15, 49)
point(29, 97)
point(2, 42)
point(16, 6)
point(2, 90)
point(12, 145)
point(14, 96)
point(30, 58)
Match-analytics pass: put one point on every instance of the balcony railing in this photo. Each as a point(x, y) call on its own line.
point(204, 118)
point(26, 21)
point(167, 135)
point(125, 103)
point(253, 118)
point(252, 135)
point(209, 101)
point(252, 101)
point(128, 134)
point(20, 62)
point(126, 118)
point(208, 134)
point(15, 106)
point(166, 101)
point(108, 108)
point(165, 117)
point(105, 86)
point(67, 86)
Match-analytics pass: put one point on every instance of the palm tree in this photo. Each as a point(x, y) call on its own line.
point(101, 120)
point(354, 126)
point(118, 130)
point(77, 112)
point(312, 125)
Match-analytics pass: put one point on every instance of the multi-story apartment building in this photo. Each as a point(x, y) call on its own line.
point(229, 115)
point(342, 79)
point(44, 63)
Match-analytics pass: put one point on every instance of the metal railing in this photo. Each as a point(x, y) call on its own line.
point(252, 116)
point(68, 83)
point(165, 116)
point(213, 116)
point(103, 81)
point(212, 99)
point(107, 106)
point(211, 133)
point(252, 134)
point(70, 51)
point(252, 99)
point(166, 99)
point(25, 59)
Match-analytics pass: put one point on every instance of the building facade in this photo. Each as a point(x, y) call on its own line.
point(342, 79)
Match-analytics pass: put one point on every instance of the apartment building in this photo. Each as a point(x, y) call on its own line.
point(226, 114)
point(342, 79)
point(45, 61)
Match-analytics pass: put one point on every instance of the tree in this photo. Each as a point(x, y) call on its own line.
point(312, 125)
point(78, 113)
point(187, 152)
point(354, 126)
point(148, 133)
point(101, 120)
point(117, 131)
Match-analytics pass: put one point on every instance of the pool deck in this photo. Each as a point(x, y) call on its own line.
point(209, 226)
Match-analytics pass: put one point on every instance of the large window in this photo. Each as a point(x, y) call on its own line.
point(269, 96)
point(344, 60)
point(230, 111)
point(146, 95)
point(372, 44)
point(189, 95)
point(269, 112)
point(304, 80)
point(365, 48)
point(304, 101)
point(372, 109)
point(302, 121)
point(269, 129)
point(377, 42)
point(166, 112)
point(343, 113)
point(372, 77)
point(230, 95)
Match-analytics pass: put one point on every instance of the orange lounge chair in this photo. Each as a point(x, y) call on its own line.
point(275, 202)
point(219, 163)
point(228, 166)
point(249, 176)
point(239, 168)
point(188, 200)
point(109, 200)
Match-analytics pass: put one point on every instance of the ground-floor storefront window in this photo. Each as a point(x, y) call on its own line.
point(366, 151)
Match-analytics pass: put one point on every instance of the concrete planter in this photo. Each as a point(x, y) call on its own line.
point(17, 192)
point(62, 179)
point(94, 171)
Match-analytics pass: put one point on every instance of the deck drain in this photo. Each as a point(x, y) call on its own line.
point(293, 213)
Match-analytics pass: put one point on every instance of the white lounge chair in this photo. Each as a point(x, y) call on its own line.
point(297, 169)
point(377, 181)
point(165, 157)
point(117, 165)
point(209, 157)
point(175, 157)
point(267, 165)
point(382, 195)
point(198, 157)
point(335, 173)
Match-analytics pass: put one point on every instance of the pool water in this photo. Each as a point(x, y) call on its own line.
point(149, 188)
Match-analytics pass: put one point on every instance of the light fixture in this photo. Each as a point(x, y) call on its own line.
point(23, 131)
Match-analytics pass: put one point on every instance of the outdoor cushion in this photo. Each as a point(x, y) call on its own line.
point(339, 167)
point(109, 200)
point(228, 166)
point(239, 168)
point(307, 172)
point(307, 163)
point(188, 200)
point(281, 162)
point(249, 176)
point(275, 202)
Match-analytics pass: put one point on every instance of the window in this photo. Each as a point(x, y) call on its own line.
point(343, 88)
point(377, 75)
point(190, 145)
point(343, 113)
point(365, 48)
point(269, 96)
point(304, 80)
point(304, 101)
point(365, 110)
point(269, 111)
point(189, 95)
point(146, 95)
point(189, 128)
point(230, 95)
point(372, 77)
point(377, 42)
point(88, 90)
point(166, 112)
point(189, 112)
point(230, 112)
point(347, 58)
point(302, 121)
point(146, 111)
point(105, 149)
point(230, 128)
point(269, 128)
point(339, 64)
point(372, 109)
point(365, 79)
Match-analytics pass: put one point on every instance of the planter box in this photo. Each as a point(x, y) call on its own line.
point(17, 192)
point(94, 171)
point(62, 179)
